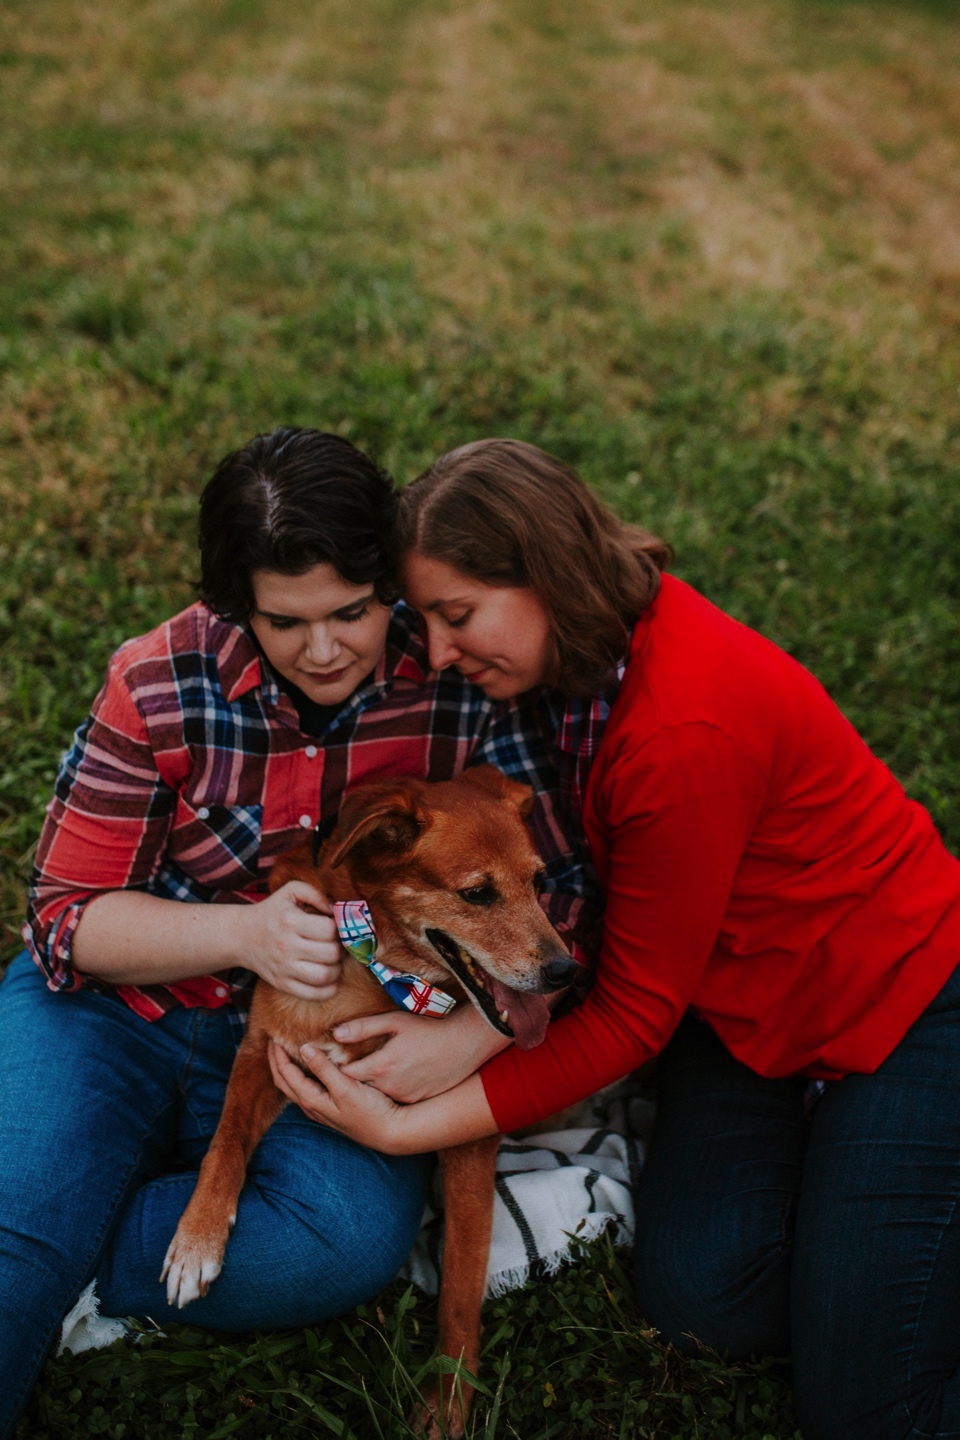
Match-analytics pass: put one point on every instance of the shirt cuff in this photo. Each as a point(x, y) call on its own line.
point(53, 953)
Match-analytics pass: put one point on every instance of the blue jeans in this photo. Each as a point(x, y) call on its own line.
point(104, 1120)
point(834, 1238)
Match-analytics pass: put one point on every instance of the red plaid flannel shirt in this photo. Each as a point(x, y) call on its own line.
point(191, 775)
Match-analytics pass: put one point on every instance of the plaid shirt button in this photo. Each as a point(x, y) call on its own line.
point(306, 822)
point(311, 752)
point(203, 813)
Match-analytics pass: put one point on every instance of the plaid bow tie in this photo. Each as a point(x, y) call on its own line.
point(360, 939)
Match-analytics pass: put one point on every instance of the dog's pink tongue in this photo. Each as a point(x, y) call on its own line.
point(529, 1015)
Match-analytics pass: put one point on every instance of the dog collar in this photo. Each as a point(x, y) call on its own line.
point(359, 938)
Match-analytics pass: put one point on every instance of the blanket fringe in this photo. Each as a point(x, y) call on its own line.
point(589, 1228)
point(84, 1328)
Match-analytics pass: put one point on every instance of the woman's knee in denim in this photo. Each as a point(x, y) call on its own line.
point(701, 1295)
point(384, 1234)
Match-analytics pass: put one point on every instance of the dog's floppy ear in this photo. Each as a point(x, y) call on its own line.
point(489, 778)
point(385, 819)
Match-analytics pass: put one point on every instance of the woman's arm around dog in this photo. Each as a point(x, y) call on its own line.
point(371, 1118)
point(416, 1063)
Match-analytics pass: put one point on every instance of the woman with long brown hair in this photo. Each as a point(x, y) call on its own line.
point(782, 930)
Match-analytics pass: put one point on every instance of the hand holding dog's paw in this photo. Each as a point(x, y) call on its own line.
point(191, 1265)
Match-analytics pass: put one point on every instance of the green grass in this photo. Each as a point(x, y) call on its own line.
point(706, 253)
point(566, 1357)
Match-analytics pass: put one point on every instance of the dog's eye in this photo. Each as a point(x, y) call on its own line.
point(478, 895)
point(539, 880)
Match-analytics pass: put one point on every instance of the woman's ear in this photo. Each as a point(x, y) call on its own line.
point(383, 820)
point(489, 778)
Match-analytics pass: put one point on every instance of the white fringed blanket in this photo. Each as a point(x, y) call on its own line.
point(573, 1181)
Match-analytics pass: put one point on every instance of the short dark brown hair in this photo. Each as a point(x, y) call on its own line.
point(290, 500)
point(507, 513)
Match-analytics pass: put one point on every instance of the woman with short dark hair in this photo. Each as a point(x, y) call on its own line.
point(217, 739)
point(782, 928)
point(287, 501)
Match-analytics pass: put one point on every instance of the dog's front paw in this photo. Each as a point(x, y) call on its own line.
point(437, 1401)
point(191, 1265)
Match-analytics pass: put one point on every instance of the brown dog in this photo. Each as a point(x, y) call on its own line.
point(450, 876)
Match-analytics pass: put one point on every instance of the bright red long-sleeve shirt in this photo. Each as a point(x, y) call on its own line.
point(760, 864)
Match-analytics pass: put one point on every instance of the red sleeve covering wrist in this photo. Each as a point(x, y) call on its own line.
point(678, 813)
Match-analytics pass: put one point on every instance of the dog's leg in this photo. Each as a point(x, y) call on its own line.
point(251, 1105)
point(468, 1190)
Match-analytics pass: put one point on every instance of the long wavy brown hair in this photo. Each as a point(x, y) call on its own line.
point(507, 513)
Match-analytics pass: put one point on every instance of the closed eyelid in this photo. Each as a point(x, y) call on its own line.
point(355, 609)
point(284, 622)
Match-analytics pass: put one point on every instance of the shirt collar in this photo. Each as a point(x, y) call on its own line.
point(237, 657)
point(572, 715)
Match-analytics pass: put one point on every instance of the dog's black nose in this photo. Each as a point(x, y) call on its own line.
point(558, 972)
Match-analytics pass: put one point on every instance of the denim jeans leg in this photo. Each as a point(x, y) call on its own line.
point(86, 1112)
point(876, 1282)
point(322, 1223)
point(717, 1198)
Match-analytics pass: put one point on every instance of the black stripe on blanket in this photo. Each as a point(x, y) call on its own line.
point(633, 1160)
point(520, 1220)
point(563, 1160)
point(592, 1145)
point(561, 1156)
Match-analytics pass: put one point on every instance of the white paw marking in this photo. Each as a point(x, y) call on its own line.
point(190, 1268)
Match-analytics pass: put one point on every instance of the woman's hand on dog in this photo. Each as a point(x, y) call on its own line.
point(360, 1111)
point(422, 1056)
point(371, 1118)
point(291, 941)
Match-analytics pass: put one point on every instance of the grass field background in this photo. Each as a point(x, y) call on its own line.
point(710, 254)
